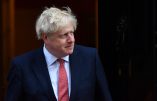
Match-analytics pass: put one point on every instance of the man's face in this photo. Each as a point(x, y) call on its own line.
point(61, 43)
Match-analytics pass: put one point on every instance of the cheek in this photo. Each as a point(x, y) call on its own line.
point(57, 43)
point(74, 38)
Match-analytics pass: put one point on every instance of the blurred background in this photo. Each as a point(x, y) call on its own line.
point(123, 31)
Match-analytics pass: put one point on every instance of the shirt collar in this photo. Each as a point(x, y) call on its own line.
point(50, 58)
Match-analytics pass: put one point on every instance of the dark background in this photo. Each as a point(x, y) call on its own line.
point(127, 40)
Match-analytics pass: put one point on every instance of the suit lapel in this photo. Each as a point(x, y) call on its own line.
point(75, 64)
point(41, 71)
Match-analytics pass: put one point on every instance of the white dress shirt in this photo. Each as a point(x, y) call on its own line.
point(53, 69)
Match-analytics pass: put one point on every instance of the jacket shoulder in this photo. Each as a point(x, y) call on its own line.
point(85, 50)
point(28, 56)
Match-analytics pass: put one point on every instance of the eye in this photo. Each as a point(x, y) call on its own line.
point(71, 32)
point(64, 35)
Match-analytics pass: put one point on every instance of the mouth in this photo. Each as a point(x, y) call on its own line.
point(70, 46)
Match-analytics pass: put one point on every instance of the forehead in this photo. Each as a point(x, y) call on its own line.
point(64, 29)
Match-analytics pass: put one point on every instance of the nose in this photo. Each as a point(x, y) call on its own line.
point(71, 37)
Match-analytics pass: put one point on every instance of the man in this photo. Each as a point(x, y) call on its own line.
point(60, 70)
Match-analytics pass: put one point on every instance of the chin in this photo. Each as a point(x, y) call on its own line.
point(70, 52)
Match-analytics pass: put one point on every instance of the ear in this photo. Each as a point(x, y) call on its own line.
point(44, 37)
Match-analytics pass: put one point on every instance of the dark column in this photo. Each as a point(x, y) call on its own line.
point(126, 44)
point(113, 20)
point(1, 81)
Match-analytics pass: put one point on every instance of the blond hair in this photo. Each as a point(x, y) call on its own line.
point(53, 19)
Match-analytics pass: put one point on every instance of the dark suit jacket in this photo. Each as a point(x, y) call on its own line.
point(29, 78)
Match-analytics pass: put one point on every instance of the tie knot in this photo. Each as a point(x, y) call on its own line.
point(61, 61)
